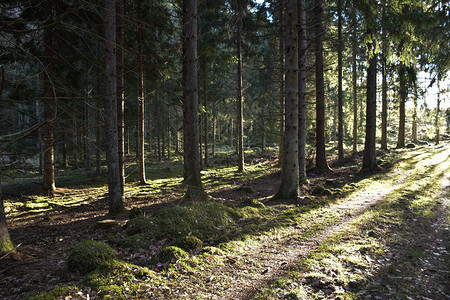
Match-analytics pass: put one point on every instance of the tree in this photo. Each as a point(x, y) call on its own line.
point(112, 152)
point(340, 97)
point(370, 155)
point(141, 103)
point(190, 103)
point(321, 158)
point(120, 91)
point(302, 67)
point(354, 83)
point(6, 244)
point(402, 103)
point(49, 101)
point(384, 104)
point(289, 187)
point(281, 60)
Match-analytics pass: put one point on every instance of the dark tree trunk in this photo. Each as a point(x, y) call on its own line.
point(112, 153)
point(384, 104)
point(340, 97)
point(240, 108)
point(281, 64)
point(303, 66)
point(190, 104)
point(321, 159)
point(402, 111)
point(289, 187)
point(370, 156)
point(120, 90)
point(98, 103)
point(49, 102)
point(141, 113)
point(5, 241)
point(87, 162)
point(354, 84)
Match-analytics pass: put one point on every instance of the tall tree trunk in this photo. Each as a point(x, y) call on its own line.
point(240, 108)
point(115, 200)
point(6, 244)
point(354, 84)
point(141, 139)
point(414, 117)
point(281, 58)
point(190, 104)
point(438, 110)
point(303, 66)
point(98, 116)
point(87, 162)
point(213, 138)
point(321, 159)
point(289, 187)
point(120, 91)
point(402, 117)
point(49, 102)
point(370, 156)
point(384, 104)
point(340, 97)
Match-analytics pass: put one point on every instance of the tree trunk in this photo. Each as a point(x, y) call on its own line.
point(120, 91)
point(49, 102)
point(281, 57)
point(340, 97)
point(87, 162)
point(369, 158)
point(402, 118)
point(303, 66)
point(414, 117)
point(98, 117)
point(112, 152)
point(289, 187)
point(354, 84)
point(384, 104)
point(190, 105)
point(141, 139)
point(240, 108)
point(5, 241)
point(438, 111)
point(321, 159)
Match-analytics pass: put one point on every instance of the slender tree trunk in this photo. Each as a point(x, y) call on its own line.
point(402, 116)
point(112, 154)
point(190, 104)
point(49, 102)
point(141, 130)
point(414, 119)
point(354, 84)
point(120, 91)
point(340, 97)
point(98, 117)
point(370, 156)
point(321, 159)
point(289, 187)
point(6, 244)
point(213, 146)
point(240, 108)
point(303, 66)
point(87, 162)
point(281, 53)
point(438, 111)
point(384, 104)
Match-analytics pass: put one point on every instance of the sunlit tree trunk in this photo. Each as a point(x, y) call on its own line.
point(302, 66)
point(321, 159)
point(120, 91)
point(402, 113)
point(414, 117)
point(438, 110)
point(340, 97)
point(141, 112)
point(289, 187)
point(384, 104)
point(354, 84)
point(49, 102)
point(370, 156)
point(115, 200)
point(190, 104)
point(5, 241)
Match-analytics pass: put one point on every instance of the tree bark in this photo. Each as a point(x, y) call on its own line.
point(384, 104)
point(5, 240)
point(120, 91)
point(49, 102)
point(190, 105)
point(354, 84)
point(281, 58)
point(240, 108)
point(115, 200)
point(414, 117)
point(340, 97)
point(141, 112)
point(289, 187)
point(303, 65)
point(438, 111)
point(402, 116)
point(321, 159)
point(369, 158)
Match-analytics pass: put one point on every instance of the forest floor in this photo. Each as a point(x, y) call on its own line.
point(384, 235)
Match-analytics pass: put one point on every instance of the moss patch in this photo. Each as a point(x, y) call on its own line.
point(87, 256)
point(6, 246)
point(187, 243)
point(170, 254)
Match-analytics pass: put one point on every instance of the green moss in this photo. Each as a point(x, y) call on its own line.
point(87, 256)
point(253, 203)
point(6, 245)
point(171, 254)
point(187, 243)
point(212, 251)
point(58, 293)
point(134, 241)
point(136, 212)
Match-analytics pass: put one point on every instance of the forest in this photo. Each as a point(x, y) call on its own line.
point(224, 149)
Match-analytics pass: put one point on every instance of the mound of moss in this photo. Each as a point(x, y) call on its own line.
point(88, 255)
point(203, 219)
point(187, 243)
point(170, 254)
